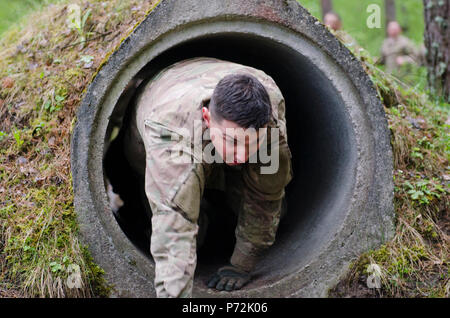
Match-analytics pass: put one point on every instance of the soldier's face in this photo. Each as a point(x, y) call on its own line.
point(394, 29)
point(332, 21)
point(233, 143)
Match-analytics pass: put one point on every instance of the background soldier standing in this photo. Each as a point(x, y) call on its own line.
point(398, 49)
point(334, 22)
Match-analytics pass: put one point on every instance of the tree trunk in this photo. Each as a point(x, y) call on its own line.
point(327, 6)
point(437, 43)
point(389, 9)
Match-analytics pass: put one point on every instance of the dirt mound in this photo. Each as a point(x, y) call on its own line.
point(44, 69)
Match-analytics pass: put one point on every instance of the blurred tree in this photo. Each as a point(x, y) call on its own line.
point(437, 43)
point(327, 6)
point(389, 9)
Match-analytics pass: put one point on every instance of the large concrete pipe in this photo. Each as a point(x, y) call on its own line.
point(340, 200)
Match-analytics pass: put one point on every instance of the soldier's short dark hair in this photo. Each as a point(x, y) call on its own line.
point(242, 99)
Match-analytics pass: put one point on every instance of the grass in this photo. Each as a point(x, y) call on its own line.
point(416, 262)
point(354, 16)
point(16, 10)
point(44, 70)
point(409, 14)
point(354, 20)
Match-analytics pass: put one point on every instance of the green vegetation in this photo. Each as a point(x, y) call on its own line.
point(354, 16)
point(13, 11)
point(44, 68)
point(416, 262)
point(354, 21)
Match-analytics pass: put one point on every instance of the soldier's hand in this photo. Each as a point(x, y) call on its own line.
point(400, 60)
point(229, 278)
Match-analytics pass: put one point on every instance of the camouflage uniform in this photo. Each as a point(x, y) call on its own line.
point(393, 48)
point(173, 100)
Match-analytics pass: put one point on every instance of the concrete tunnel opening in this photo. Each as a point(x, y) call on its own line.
point(340, 202)
point(321, 139)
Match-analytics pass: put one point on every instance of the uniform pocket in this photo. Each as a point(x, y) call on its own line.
point(189, 194)
point(177, 147)
point(168, 165)
point(163, 132)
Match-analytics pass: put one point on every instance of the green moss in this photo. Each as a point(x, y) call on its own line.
point(108, 55)
point(41, 241)
point(98, 283)
point(39, 232)
point(420, 144)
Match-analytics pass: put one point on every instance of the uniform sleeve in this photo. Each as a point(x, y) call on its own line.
point(410, 47)
point(173, 247)
point(262, 191)
point(413, 52)
point(260, 215)
point(173, 187)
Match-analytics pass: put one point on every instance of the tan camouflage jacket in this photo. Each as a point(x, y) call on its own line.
point(167, 110)
point(401, 46)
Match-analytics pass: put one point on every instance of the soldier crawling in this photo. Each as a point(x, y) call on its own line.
point(211, 97)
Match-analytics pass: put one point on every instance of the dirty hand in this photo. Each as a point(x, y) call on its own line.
point(229, 278)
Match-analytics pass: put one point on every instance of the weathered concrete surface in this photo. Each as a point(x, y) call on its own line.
point(340, 201)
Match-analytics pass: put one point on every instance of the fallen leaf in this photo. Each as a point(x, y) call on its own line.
point(32, 66)
point(43, 43)
point(22, 160)
point(20, 48)
point(88, 65)
point(7, 82)
point(51, 141)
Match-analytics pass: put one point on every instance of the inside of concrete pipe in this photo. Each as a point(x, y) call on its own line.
point(320, 138)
